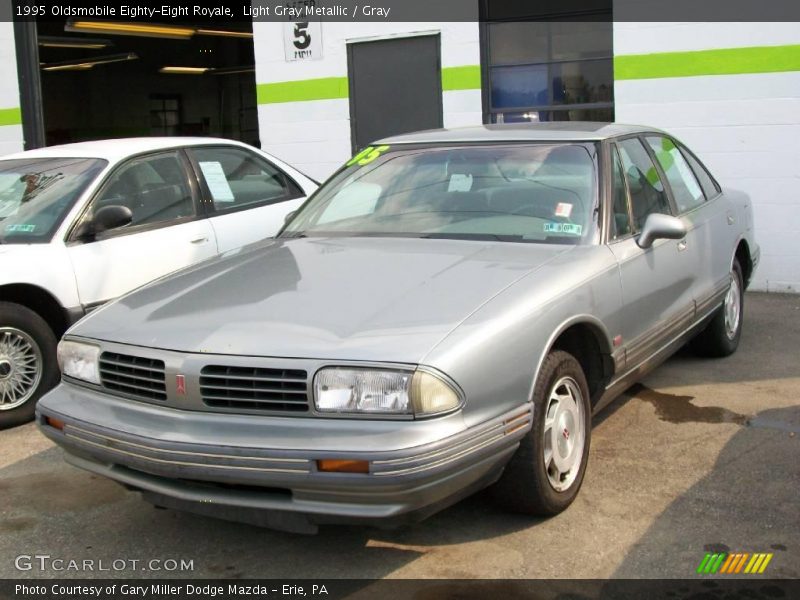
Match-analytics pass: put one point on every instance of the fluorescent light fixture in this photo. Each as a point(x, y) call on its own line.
point(85, 64)
point(225, 33)
point(47, 41)
point(138, 29)
point(184, 70)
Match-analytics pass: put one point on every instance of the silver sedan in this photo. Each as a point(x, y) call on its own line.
point(445, 314)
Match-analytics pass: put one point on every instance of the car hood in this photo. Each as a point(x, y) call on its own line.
point(343, 298)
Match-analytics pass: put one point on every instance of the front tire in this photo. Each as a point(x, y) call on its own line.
point(721, 336)
point(545, 474)
point(28, 366)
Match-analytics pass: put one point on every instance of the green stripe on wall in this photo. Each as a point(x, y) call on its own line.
point(461, 78)
point(332, 88)
point(727, 61)
point(10, 116)
point(326, 88)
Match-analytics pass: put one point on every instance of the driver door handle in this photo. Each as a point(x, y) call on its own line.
point(200, 240)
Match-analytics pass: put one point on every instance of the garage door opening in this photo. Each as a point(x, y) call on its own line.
point(120, 79)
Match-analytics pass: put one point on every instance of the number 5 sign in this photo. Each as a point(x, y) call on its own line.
point(302, 40)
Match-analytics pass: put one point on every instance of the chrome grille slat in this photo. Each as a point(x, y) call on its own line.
point(254, 388)
point(133, 375)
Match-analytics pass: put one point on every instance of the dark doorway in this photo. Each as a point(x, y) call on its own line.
point(104, 84)
point(395, 87)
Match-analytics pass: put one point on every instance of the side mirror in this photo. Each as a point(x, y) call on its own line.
point(658, 226)
point(108, 217)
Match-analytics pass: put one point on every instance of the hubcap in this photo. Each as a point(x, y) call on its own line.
point(564, 434)
point(20, 367)
point(733, 308)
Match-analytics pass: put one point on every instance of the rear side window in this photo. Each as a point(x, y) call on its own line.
point(645, 186)
point(710, 187)
point(685, 188)
point(237, 179)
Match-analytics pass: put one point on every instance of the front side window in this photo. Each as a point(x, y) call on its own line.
point(154, 188)
point(644, 184)
point(239, 179)
point(36, 195)
point(685, 188)
point(620, 217)
point(537, 193)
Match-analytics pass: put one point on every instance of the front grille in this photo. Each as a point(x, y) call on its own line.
point(133, 375)
point(253, 388)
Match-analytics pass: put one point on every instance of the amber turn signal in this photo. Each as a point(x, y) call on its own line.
point(55, 423)
point(331, 465)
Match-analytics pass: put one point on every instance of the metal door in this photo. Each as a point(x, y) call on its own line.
point(395, 87)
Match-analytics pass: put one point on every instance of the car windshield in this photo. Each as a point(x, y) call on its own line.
point(36, 194)
point(539, 193)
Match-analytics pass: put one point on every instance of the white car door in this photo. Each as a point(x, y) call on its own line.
point(167, 232)
point(248, 196)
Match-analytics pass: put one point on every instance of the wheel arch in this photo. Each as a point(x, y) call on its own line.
point(587, 339)
point(742, 254)
point(40, 301)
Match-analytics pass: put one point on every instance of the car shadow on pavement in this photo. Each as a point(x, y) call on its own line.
point(748, 502)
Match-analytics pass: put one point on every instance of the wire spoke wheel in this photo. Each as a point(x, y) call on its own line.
point(564, 434)
point(20, 367)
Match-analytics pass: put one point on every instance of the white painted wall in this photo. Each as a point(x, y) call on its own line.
point(744, 127)
point(11, 139)
point(314, 136)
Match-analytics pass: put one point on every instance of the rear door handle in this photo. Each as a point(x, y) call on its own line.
point(682, 245)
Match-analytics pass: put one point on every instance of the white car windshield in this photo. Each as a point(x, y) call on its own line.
point(539, 193)
point(36, 194)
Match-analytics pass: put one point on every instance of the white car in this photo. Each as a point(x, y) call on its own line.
point(81, 224)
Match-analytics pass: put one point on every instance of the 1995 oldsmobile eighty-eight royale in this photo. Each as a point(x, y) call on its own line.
point(444, 314)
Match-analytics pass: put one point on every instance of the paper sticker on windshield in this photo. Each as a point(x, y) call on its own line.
point(563, 228)
point(460, 183)
point(20, 228)
point(367, 155)
point(217, 182)
point(563, 209)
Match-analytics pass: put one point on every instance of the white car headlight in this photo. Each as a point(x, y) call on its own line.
point(79, 360)
point(378, 391)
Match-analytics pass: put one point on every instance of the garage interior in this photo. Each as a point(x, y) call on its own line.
point(120, 79)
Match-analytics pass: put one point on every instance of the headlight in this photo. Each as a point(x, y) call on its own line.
point(377, 391)
point(79, 360)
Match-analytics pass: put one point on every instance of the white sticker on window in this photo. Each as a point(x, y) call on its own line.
point(563, 209)
point(460, 183)
point(217, 182)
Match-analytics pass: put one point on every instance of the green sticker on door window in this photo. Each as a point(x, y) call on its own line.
point(367, 155)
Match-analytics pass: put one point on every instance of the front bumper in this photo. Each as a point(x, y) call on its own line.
point(263, 470)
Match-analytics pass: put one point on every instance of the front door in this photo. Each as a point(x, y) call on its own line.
point(166, 232)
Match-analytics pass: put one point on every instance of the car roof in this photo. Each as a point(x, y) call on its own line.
point(521, 132)
point(118, 149)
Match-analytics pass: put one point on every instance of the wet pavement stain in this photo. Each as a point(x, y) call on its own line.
point(673, 408)
point(15, 524)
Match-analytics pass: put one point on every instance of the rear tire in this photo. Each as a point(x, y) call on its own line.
point(28, 366)
point(721, 336)
point(545, 474)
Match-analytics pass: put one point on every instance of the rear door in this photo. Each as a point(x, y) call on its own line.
point(168, 231)
point(246, 196)
point(657, 282)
